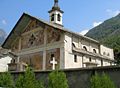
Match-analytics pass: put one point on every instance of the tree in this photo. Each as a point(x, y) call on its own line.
point(102, 81)
point(6, 80)
point(95, 81)
point(106, 82)
point(20, 82)
point(39, 84)
point(57, 79)
point(28, 80)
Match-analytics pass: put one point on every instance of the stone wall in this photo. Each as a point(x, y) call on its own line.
point(80, 78)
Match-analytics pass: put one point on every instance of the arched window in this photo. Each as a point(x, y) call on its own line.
point(52, 17)
point(108, 54)
point(75, 58)
point(104, 53)
point(73, 45)
point(94, 51)
point(101, 62)
point(84, 48)
point(58, 17)
point(90, 59)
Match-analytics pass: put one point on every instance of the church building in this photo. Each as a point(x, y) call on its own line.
point(46, 45)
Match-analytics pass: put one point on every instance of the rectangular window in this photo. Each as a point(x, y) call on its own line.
point(101, 62)
point(90, 59)
point(75, 58)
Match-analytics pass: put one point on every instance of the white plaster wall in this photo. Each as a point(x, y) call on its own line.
point(76, 41)
point(85, 43)
point(3, 63)
point(106, 63)
point(98, 61)
point(69, 56)
point(90, 46)
point(62, 62)
point(79, 43)
point(69, 61)
point(106, 50)
point(93, 60)
point(85, 59)
point(94, 46)
point(68, 49)
point(68, 43)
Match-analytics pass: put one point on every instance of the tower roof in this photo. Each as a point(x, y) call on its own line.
point(56, 7)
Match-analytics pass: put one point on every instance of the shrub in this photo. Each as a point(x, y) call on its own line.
point(6, 80)
point(28, 80)
point(107, 82)
point(39, 84)
point(57, 79)
point(102, 81)
point(20, 82)
point(95, 81)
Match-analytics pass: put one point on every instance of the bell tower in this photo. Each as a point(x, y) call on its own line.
point(56, 14)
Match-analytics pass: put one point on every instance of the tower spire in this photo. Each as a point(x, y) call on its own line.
point(55, 3)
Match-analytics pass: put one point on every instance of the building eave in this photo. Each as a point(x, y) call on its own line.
point(55, 10)
point(15, 33)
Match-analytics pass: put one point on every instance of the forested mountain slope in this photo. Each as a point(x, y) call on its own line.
point(108, 33)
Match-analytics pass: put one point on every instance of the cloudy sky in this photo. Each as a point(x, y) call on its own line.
point(79, 15)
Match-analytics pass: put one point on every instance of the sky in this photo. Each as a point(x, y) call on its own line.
point(79, 15)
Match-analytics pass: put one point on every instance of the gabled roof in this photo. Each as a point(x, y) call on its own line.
point(24, 20)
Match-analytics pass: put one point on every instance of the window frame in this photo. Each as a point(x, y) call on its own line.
point(75, 58)
point(52, 17)
point(58, 17)
point(85, 48)
point(94, 51)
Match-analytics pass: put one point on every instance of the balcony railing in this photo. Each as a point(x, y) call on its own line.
point(90, 53)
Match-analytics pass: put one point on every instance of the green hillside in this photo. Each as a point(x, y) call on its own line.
point(108, 33)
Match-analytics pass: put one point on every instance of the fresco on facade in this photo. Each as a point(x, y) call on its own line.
point(34, 24)
point(49, 55)
point(34, 60)
point(32, 39)
point(53, 35)
point(15, 46)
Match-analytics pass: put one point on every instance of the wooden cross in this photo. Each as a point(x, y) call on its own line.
point(53, 62)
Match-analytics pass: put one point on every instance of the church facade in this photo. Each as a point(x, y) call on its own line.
point(47, 45)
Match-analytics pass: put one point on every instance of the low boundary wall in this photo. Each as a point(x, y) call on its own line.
point(80, 78)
